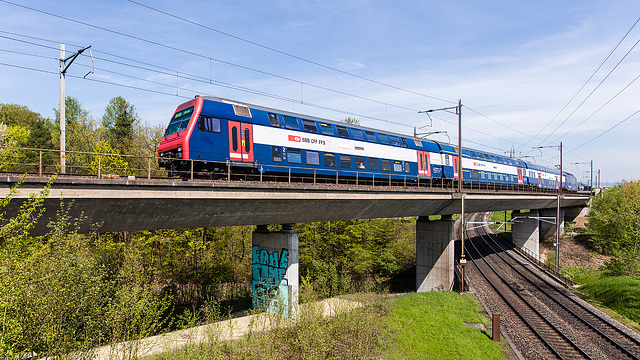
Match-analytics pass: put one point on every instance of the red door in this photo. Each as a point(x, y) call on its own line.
point(240, 141)
point(424, 163)
point(520, 180)
point(455, 167)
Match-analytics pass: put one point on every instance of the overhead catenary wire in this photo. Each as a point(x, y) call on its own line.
point(209, 58)
point(192, 77)
point(289, 54)
point(586, 81)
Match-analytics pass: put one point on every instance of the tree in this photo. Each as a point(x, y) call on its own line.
point(352, 121)
point(615, 220)
point(120, 119)
point(81, 134)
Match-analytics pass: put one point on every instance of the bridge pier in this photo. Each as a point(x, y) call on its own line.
point(525, 233)
point(275, 270)
point(434, 254)
point(547, 227)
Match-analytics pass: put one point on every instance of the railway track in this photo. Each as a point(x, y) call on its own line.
point(544, 320)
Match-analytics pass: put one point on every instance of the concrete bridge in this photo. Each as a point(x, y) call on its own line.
point(143, 204)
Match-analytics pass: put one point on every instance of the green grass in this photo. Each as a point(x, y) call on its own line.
point(415, 326)
point(431, 326)
point(583, 276)
point(620, 293)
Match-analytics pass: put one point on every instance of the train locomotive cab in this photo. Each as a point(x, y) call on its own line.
point(173, 150)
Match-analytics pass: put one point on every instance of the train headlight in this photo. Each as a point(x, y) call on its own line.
point(179, 149)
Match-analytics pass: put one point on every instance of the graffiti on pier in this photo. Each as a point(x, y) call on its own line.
point(270, 288)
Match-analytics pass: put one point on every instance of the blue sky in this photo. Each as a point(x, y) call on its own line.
point(515, 64)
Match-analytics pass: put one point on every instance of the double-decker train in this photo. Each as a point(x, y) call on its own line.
point(212, 135)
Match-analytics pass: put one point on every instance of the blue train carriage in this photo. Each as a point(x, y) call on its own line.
point(217, 132)
point(483, 167)
point(543, 177)
point(570, 182)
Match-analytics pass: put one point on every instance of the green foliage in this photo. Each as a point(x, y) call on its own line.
point(59, 297)
point(119, 120)
point(583, 276)
point(621, 293)
point(615, 220)
point(364, 250)
point(109, 164)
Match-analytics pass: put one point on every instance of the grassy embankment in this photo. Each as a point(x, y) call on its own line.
point(415, 326)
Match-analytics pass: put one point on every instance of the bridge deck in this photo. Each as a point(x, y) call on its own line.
point(129, 205)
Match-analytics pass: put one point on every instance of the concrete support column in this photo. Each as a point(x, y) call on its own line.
point(275, 271)
point(525, 233)
point(434, 254)
point(546, 227)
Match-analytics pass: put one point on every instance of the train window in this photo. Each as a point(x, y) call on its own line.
point(407, 168)
point(418, 142)
point(404, 142)
point(291, 123)
point(345, 161)
point(371, 136)
point(234, 135)
point(276, 153)
point(446, 160)
point(327, 129)
point(360, 160)
point(208, 124)
point(395, 141)
point(329, 159)
point(313, 158)
point(397, 166)
point(273, 120)
point(294, 156)
point(386, 165)
point(374, 164)
point(179, 121)
point(357, 134)
point(384, 139)
point(309, 126)
point(342, 132)
point(474, 155)
point(247, 144)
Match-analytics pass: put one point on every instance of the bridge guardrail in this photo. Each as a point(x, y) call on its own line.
point(109, 165)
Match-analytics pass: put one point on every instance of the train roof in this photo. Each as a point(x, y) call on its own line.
point(307, 117)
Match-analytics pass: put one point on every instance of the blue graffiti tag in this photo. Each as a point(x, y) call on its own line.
point(270, 288)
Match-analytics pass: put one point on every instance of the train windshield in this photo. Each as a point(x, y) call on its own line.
point(179, 121)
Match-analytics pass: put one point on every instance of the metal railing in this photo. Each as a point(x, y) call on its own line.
point(113, 166)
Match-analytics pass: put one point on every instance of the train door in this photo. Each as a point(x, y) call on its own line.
point(455, 167)
point(539, 180)
point(240, 141)
point(520, 178)
point(424, 163)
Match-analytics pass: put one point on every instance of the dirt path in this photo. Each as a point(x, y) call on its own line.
point(231, 329)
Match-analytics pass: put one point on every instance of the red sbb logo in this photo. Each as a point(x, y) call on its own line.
point(295, 138)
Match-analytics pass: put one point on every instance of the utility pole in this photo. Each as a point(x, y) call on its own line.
point(458, 111)
point(558, 220)
point(63, 71)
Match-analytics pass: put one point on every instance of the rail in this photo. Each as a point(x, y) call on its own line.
point(108, 165)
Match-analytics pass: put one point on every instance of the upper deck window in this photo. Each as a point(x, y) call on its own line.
point(179, 121)
point(327, 129)
point(273, 120)
point(357, 134)
point(309, 126)
point(371, 136)
point(384, 139)
point(342, 132)
point(395, 141)
point(291, 123)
